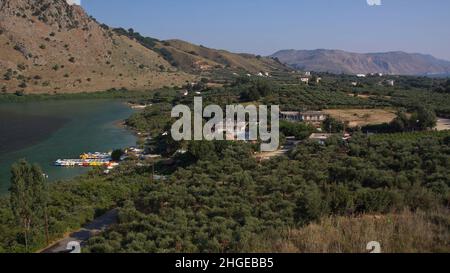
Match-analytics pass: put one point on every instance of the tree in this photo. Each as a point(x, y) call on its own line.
point(117, 154)
point(202, 150)
point(426, 118)
point(299, 130)
point(309, 206)
point(28, 197)
point(401, 122)
point(332, 125)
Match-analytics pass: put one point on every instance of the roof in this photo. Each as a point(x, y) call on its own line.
point(312, 113)
point(290, 113)
point(306, 113)
point(318, 136)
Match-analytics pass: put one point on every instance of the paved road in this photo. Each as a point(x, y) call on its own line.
point(81, 236)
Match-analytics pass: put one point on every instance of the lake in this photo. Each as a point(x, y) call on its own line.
point(42, 132)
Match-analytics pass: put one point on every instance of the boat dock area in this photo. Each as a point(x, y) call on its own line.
point(88, 160)
point(84, 163)
point(100, 159)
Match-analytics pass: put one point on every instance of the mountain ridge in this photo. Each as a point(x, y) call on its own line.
point(340, 61)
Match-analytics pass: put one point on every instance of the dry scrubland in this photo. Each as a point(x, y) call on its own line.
point(54, 48)
point(50, 47)
point(398, 233)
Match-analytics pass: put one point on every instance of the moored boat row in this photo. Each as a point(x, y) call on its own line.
point(85, 163)
point(88, 160)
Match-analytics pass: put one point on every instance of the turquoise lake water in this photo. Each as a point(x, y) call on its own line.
point(42, 132)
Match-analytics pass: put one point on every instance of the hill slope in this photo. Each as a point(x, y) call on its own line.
point(337, 61)
point(50, 46)
point(196, 58)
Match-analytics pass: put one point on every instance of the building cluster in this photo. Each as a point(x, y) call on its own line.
point(314, 117)
point(307, 77)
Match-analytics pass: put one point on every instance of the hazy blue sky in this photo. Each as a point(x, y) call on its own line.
point(265, 26)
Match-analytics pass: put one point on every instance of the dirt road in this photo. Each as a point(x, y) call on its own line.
point(81, 236)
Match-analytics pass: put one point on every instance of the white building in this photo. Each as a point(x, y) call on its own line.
point(390, 82)
point(308, 116)
point(304, 80)
point(361, 75)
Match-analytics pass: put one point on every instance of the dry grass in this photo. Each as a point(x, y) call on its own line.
point(406, 232)
point(362, 117)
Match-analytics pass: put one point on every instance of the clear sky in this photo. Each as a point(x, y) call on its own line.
point(265, 26)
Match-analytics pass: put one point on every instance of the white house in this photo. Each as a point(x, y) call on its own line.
point(361, 75)
point(304, 80)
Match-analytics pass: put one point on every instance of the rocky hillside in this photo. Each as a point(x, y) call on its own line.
point(336, 61)
point(50, 46)
point(197, 58)
point(200, 60)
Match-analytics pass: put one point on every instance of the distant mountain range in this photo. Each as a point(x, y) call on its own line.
point(338, 61)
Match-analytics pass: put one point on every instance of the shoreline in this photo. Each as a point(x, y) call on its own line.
point(123, 94)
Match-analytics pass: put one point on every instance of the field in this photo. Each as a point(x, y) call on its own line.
point(443, 124)
point(362, 117)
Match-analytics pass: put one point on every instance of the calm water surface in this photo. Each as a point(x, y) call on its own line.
point(42, 132)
